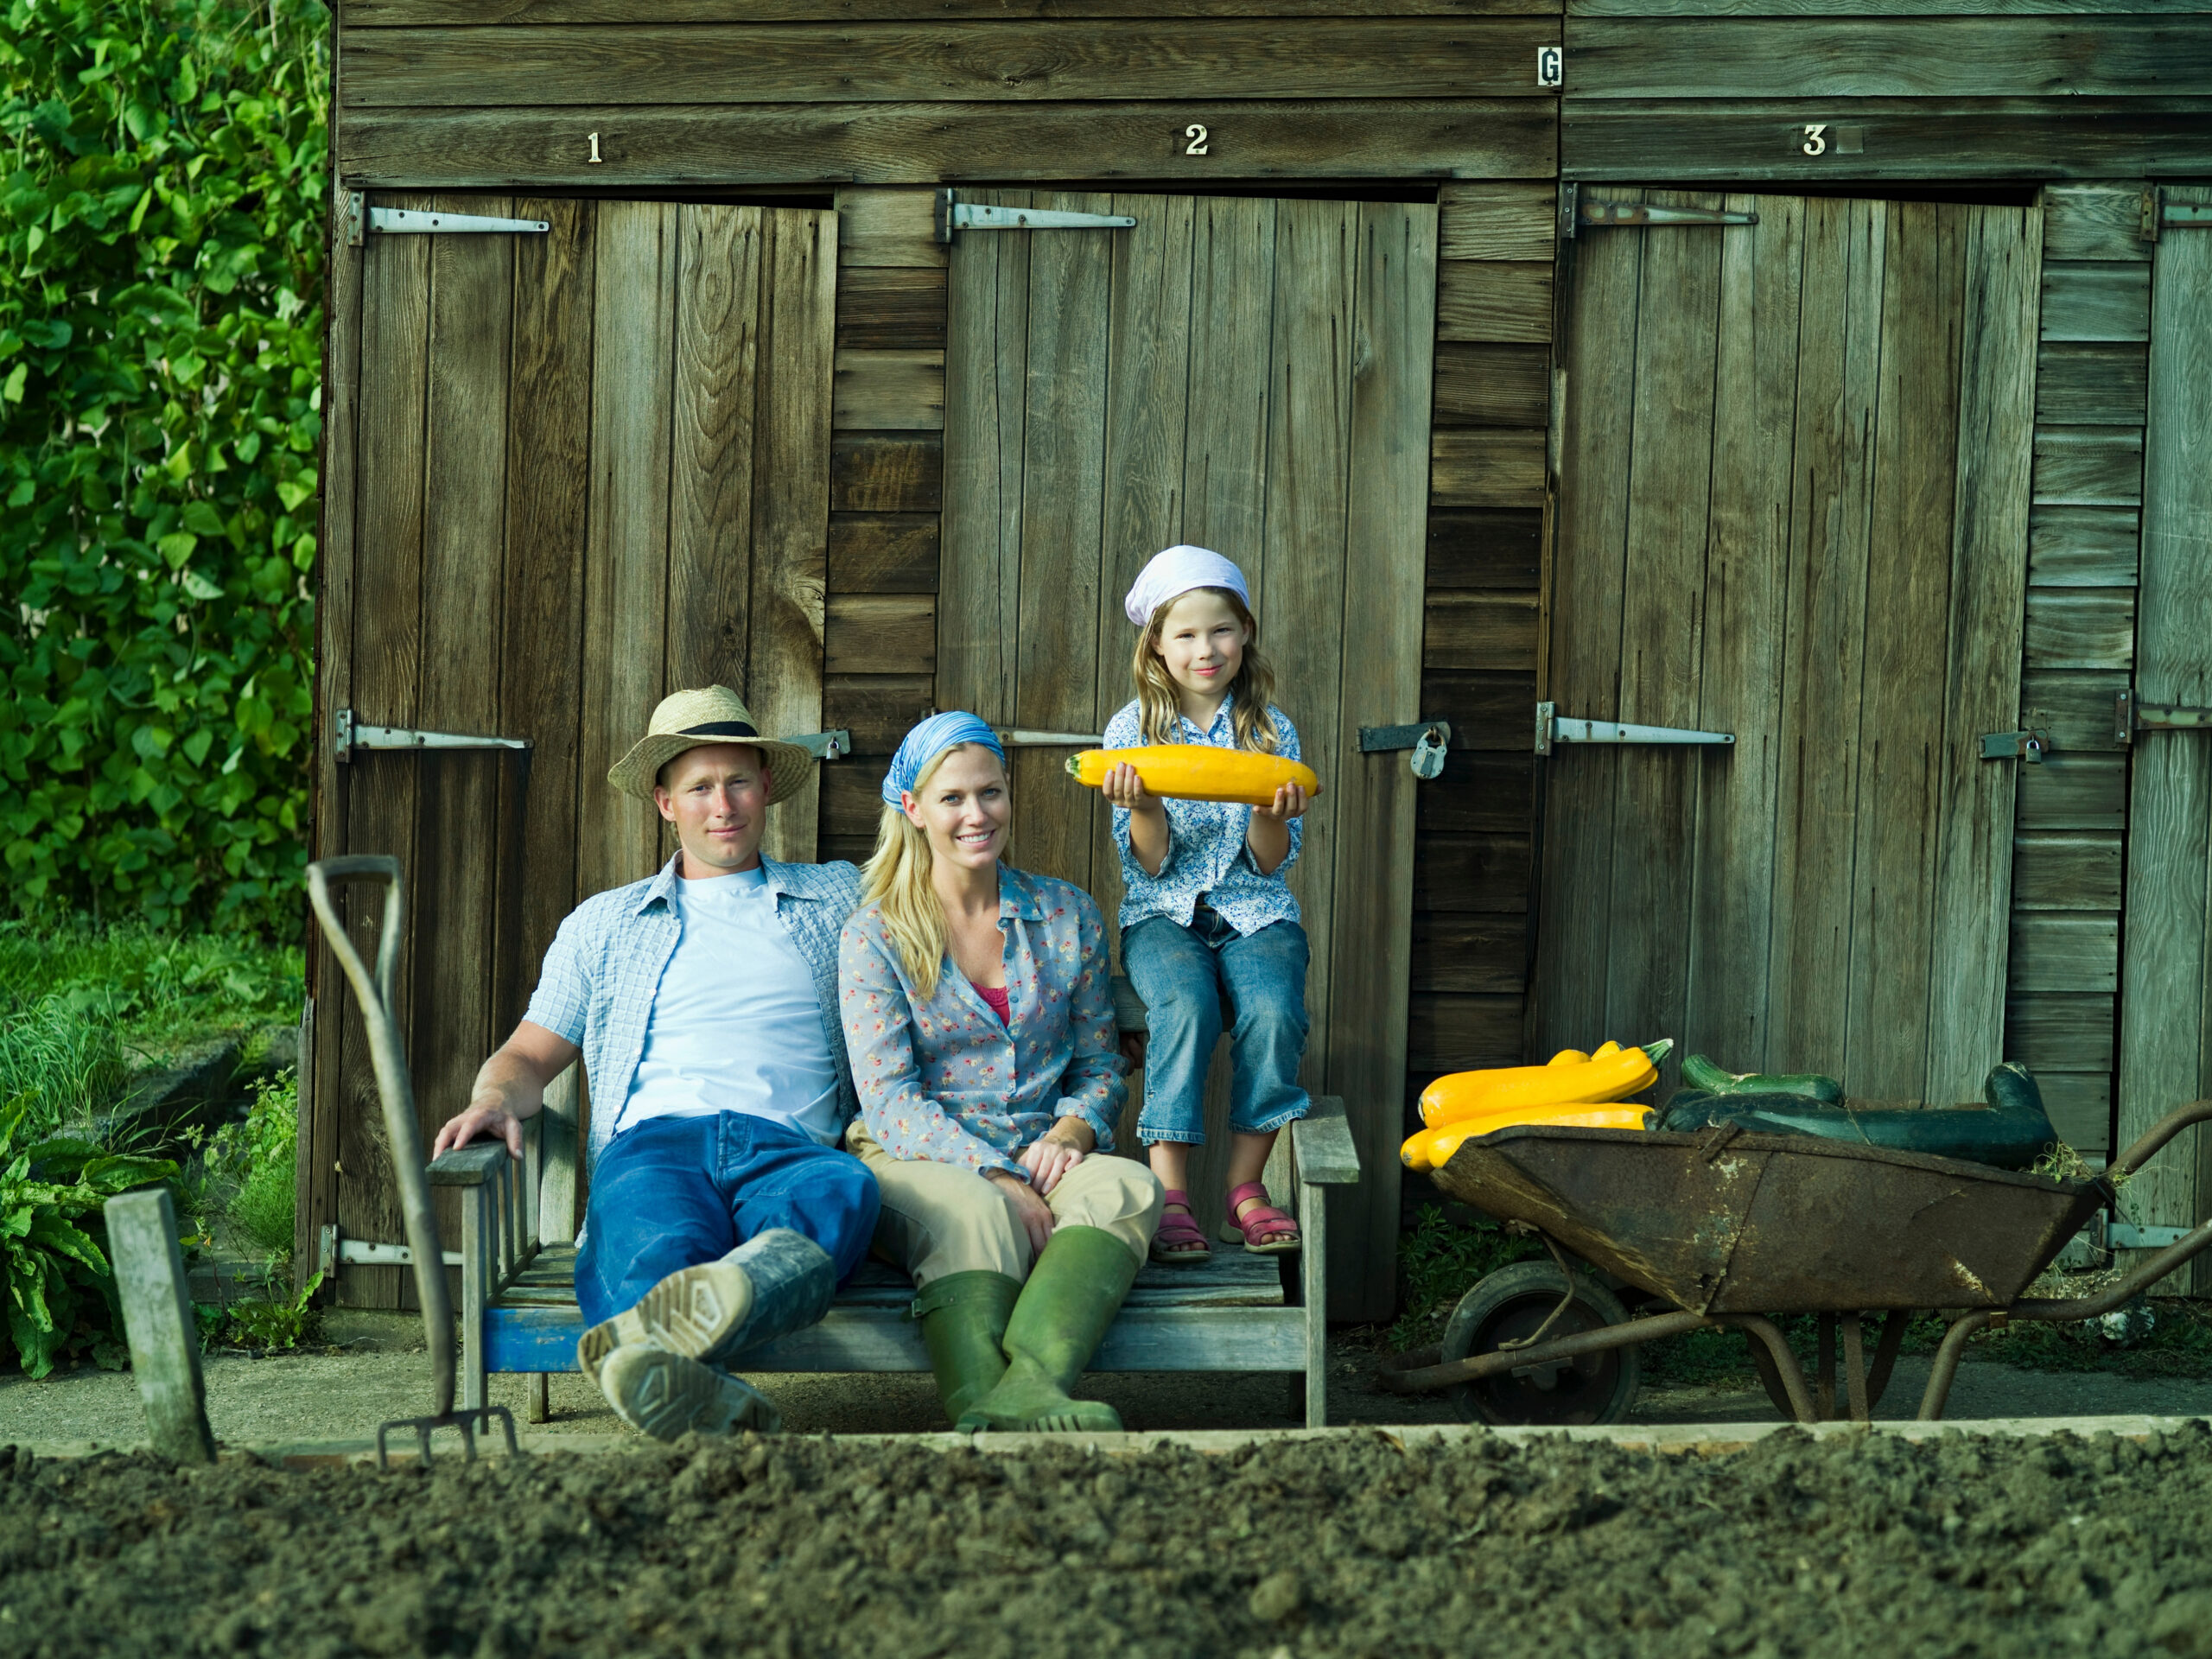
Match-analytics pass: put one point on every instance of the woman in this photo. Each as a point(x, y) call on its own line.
point(979, 1021)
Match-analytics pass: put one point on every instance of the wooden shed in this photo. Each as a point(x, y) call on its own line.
point(1820, 376)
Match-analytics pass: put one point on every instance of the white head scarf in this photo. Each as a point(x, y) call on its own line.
point(1174, 572)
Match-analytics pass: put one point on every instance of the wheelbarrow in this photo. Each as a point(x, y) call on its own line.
point(1725, 1229)
point(404, 1135)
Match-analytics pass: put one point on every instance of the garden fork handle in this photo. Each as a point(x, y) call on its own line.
point(395, 1090)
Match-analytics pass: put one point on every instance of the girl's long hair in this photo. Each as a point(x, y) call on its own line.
point(1159, 702)
point(896, 879)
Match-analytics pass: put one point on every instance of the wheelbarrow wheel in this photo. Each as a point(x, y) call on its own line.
point(1512, 1305)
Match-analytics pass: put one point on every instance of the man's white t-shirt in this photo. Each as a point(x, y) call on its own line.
point(734, 1025)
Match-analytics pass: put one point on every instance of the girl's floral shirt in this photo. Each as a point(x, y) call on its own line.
point(942, 1079)
point(1207, 856)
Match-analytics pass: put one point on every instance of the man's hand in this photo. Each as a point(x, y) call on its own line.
point(480, 1120)
point(510, 1087)
point(1032, 1213)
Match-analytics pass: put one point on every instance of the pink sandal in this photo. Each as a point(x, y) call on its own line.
point(1180, 1241)
point(1264, 1230)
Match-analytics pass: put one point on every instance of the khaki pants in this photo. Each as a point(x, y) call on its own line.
point(939, 1219)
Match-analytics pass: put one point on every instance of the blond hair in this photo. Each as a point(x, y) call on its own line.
point(1159, 702)
point(896, 880)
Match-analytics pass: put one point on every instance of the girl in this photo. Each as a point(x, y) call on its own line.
point(979, 1015)
point(1205, 908)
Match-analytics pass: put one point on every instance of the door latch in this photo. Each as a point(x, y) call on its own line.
point(2029, 746)
point(1427, 739)
point(2131, 714)
point(1553, 727)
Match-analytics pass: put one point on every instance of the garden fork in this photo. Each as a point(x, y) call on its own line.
point(397, 1092)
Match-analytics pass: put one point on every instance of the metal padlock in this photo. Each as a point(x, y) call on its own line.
point(2031, 751)
point(1428, 755)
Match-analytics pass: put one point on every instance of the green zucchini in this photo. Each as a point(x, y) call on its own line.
point(1699, 1072)
point(2011, 1132)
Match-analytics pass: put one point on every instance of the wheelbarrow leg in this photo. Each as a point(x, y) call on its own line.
point(1788, 1376)
point(1824, 1376)
point(1854, 1370)
point(1947, 1365)
point(1885, 1356)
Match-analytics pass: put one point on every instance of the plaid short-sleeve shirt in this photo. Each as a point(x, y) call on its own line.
point(601, 972)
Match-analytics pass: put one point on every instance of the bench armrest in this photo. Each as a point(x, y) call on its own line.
point(469, 1165)
point(1322, 1139)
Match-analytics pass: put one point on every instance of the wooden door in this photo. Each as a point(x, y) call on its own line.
point(1793, 508)
point(569, 473)
point(1254, 377)
point(2165, 1002)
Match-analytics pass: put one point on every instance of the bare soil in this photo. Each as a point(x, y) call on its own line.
point(1342, 1545)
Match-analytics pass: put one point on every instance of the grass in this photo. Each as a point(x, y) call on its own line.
point(81, 1007)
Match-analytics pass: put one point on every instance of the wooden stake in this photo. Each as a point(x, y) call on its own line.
point(158, 1316)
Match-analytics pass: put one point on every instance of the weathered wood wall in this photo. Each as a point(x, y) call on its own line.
point(747, 93)
point(1487, 494)
point(2083, 532)
point(1909, 90)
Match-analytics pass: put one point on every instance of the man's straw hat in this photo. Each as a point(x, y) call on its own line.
point(692, 720)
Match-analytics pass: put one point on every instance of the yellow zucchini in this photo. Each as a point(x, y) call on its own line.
point(1603, 1076)
point(1432, 1148)
point(1199, 771)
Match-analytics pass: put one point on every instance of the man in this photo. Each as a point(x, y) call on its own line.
point(704, 1004)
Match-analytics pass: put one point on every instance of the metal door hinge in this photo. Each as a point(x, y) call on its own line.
point(1638, 215)
point(333, 1253)
point(351, 735)
point(2131, 714)
point(2028, 745)
point(2159, 214)
point(1427, 739)
point(1552, 728)
point(409, 221)
point(1017, 737)
point(2106, 1234)
point(954, 215)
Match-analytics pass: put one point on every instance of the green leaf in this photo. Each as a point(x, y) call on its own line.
point(18, 378)
point(199, 588)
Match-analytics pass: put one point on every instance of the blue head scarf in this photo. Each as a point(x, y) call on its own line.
point(929, 739)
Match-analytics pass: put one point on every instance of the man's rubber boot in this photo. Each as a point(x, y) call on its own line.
point(964, 1318)
point(1073, 1293)
point(668, 1394)
point(774, 1283)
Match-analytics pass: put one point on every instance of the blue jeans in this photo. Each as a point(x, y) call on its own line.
point(676, 1191)
point(1181, 972)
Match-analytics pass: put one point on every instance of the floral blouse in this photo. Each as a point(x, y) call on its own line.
point(943, 1080)
point(1207, 856)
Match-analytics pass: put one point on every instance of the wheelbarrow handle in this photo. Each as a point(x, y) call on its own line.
point(2154, 1138)
point(395, 1090)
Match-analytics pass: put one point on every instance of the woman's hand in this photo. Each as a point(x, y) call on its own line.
point(1054, 1152)
point(1030, 1212)
point(1290, 802)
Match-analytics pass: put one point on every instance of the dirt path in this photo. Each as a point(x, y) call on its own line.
point(344, 1396)
point(1290, 1549)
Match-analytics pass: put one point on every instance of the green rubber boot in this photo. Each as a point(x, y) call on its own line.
point(964, 1318)
point(1073, 1293)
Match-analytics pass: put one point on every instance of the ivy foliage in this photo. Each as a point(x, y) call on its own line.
point(162, 186)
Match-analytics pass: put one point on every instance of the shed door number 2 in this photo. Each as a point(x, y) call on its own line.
point(1197, 136)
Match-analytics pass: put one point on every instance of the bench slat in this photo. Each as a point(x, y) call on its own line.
point(878, 1339)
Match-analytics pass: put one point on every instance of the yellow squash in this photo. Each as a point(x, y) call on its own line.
point(1611, 1073)
point(1432, 1148)
point(1199, 771)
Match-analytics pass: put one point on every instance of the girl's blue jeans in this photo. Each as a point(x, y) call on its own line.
point(1181, 973)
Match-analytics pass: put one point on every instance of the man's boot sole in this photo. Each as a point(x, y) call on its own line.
point(690, 1313)
point(667, 1395)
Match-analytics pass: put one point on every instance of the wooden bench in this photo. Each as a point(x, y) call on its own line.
point(1238, 1313)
